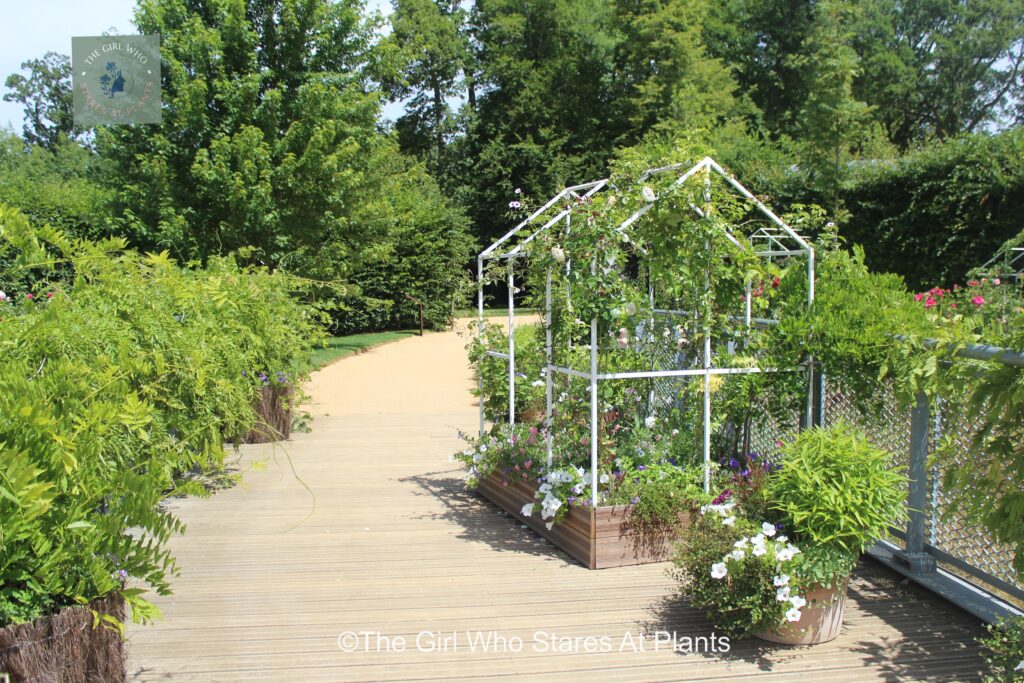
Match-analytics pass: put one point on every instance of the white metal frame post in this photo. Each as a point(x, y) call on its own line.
point(593, 413)
point(511, 345)
point(549, 361)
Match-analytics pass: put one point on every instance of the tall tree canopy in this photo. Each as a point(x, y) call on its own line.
point(270, 143)
point(45, 93)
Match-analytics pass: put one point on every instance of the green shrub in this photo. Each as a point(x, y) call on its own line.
point(835, 489)
point(123, 375)
point(1004, 651)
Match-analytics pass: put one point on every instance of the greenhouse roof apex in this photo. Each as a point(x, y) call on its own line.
point(588, 189)
point(776, 238)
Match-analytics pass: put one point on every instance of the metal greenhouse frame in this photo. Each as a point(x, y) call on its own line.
point(778, 240)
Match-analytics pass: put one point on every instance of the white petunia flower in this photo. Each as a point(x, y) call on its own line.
point(782, 539)
point(527, 510)
point(782, 594)
point(793, 615)
point(648, 194)
point(781, 580)
point(603, 479)
point(718, 570)
point(742, 543)
point(737, 555)
point(650, 421)
point(784, 555)
point(538, 383)
point(729, 521)
point(768, 529)
point(483, 448)
point(758, 550)
point(797, 601)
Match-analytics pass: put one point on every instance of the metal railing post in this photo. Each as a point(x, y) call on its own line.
point(917, 497)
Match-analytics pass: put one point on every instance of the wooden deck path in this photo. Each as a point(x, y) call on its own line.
point(374, 533)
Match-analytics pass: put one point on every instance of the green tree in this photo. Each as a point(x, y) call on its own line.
point(46, 95)
point(941, 67)
point(663, 72)
point(431, 52)
point(834, 126)
point(270, 146)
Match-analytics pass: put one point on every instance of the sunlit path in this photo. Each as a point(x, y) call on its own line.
point(376, 534)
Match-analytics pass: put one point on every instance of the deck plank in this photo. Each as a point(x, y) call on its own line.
point(374, 531)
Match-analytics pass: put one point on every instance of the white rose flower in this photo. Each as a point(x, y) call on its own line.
point(718, 570)
point(648, 194)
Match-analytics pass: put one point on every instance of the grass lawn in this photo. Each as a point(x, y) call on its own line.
point(339, 347)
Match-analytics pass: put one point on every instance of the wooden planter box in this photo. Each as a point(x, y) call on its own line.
point(274, 415)
point(599, 538)
point(65, 646)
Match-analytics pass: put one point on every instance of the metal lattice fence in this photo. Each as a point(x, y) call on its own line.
point(965, 549)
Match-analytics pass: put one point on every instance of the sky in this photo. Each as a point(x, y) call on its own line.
point(31, 29)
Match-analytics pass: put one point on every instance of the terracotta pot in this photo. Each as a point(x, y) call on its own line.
point(821, 619)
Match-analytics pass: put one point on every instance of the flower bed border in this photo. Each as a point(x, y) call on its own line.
point(274, 415)
point(65, 646)
point(599, 537)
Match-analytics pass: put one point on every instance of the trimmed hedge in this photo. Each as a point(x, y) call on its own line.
point(937, 213)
